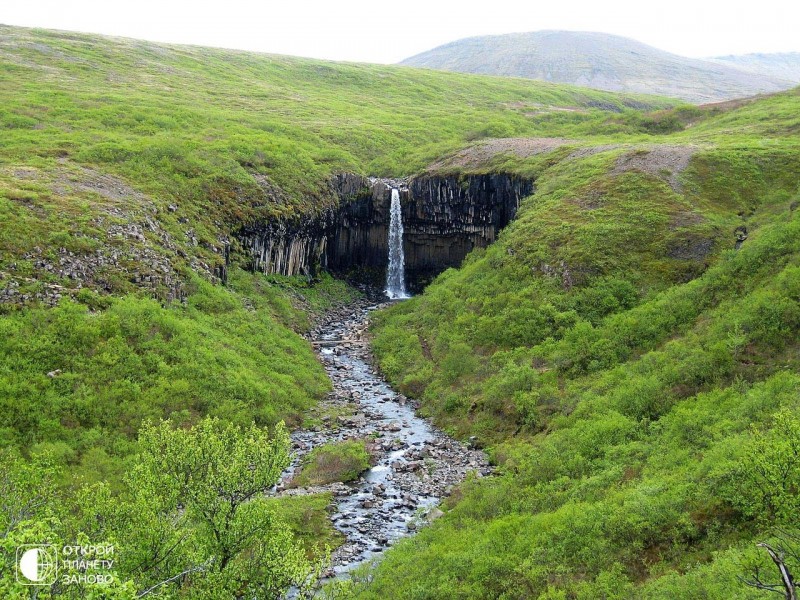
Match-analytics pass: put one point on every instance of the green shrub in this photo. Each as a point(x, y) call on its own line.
point(334, 461)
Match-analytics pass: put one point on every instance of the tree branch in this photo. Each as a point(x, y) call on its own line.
point(188, 571)
point(786, 587)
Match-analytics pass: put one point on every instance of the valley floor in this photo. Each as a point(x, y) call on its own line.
point(414, 464)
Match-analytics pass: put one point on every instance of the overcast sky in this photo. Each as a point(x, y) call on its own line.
point(387, 32)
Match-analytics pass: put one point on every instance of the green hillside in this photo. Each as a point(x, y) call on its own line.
point(634, 375)
point(126, 169)
point(175, 147)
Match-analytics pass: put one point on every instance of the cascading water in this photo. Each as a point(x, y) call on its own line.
point(395, 275)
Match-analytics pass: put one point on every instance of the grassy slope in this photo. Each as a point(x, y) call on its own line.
point(615, 379)
point(78, 382)
point(161, 144)
point(199, 141)
point(127, 165)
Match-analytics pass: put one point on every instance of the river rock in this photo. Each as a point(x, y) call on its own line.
point(380, 506)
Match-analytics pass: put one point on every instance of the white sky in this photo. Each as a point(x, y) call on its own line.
point(387, 32)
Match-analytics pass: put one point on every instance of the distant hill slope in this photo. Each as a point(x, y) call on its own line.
point(600, 61)
point(784, 65)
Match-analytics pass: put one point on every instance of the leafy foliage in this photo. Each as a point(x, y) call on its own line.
point(770, 472)
point(191, 518)
point(114, 368)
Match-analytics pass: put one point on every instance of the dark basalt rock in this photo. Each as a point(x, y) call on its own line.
point(444, 218)
point(447, 217)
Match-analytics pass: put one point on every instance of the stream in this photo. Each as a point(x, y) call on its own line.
point(415, 464)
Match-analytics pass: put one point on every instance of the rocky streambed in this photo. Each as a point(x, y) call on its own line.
point(415, 464)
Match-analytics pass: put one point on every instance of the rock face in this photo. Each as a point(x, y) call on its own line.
point(444, 218)
point(299, 246)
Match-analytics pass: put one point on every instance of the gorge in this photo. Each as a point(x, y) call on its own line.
point(415, 464)
point(444, 217)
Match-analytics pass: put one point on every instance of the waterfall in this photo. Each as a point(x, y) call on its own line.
point(395, 275)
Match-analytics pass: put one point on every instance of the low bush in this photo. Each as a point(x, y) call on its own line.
point(335, 461)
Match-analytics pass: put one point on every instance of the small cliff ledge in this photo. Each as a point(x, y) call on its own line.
point(444, 217)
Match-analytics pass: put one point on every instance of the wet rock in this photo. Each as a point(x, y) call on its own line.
point(415, 464)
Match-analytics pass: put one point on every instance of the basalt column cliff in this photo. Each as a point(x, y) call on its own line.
point(444, 218)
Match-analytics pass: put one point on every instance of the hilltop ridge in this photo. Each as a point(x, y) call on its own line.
point(600, 61)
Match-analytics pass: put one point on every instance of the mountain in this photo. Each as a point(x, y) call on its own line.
point(600, 61)
point(783, 65)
